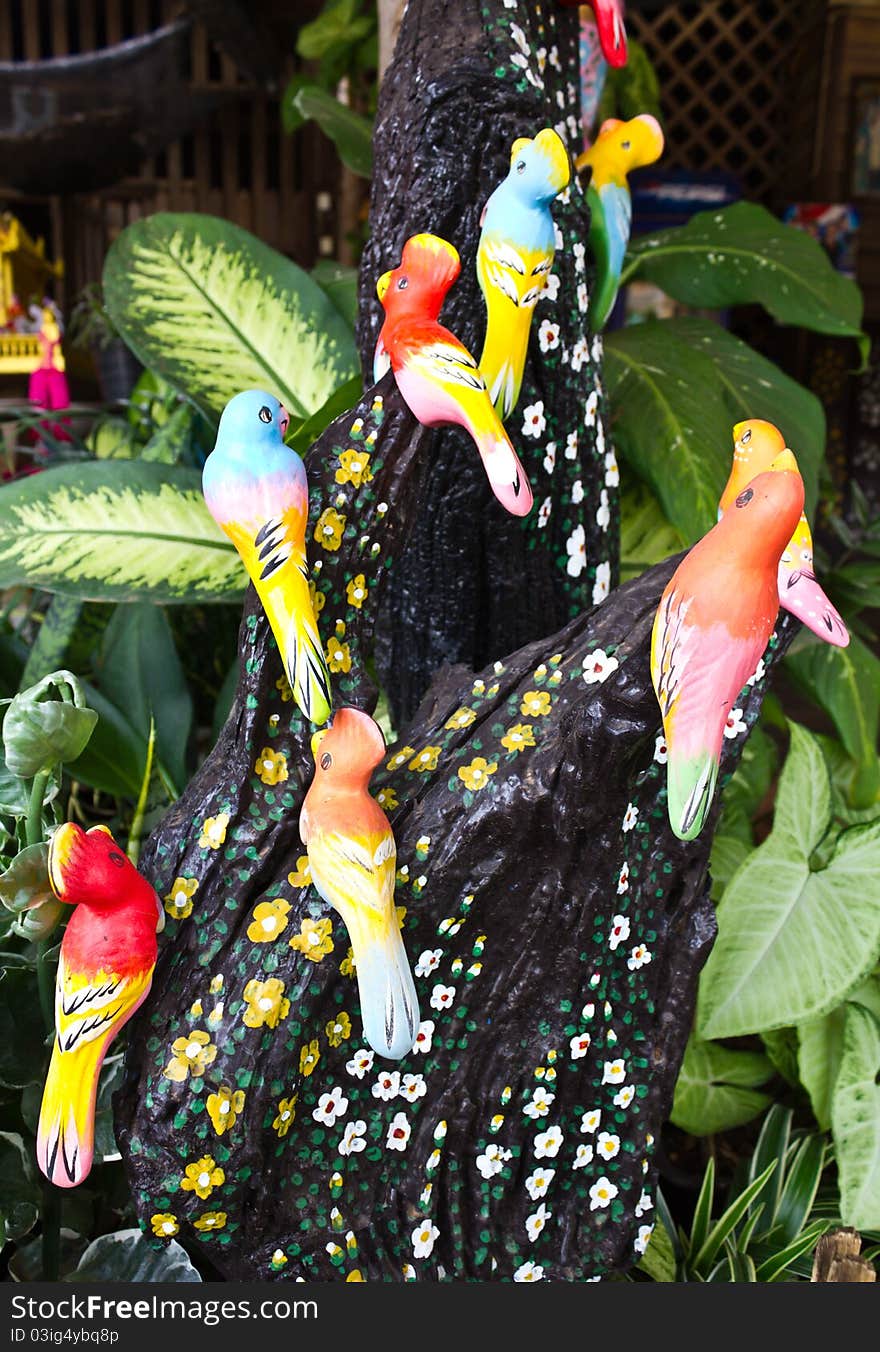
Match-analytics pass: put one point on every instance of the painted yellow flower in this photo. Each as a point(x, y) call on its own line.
point(426, 759)
point(178, 902)
point(476, 775)
point(164, 1224)
point(536, 703)
point(357, 591)
point(302, 874)
point(214, 831)
point(338, 656)
point(355, 1275)
point(347, 966)
point(202, 1177)
point(386, 798)
point(283, 684)
point(285, 1115)
point(211, 1220)
point(462, 718)
point(270, 920)
point(329, 528)
point(271, 766)
point(519, 736)
point(338, 1029)
point(354, 468)
point(400, 757)
point(224, 1107)
point(314, 939)
point(400, 914)
point(278, 1261)
point(191, 1054)
point(317, 597)
point(265, 1002)
point(309, 1056)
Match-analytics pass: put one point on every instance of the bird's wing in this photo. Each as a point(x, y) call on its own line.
point(519, 274)
point(443, 358)
point(351, 870)
point(89, 1006)
point(670, 642)
point(801, 594)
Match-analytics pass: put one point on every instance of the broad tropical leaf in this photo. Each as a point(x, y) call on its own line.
point(855, 1120)
point(820, 1044)
point(215, 311)
point(846, 683)
point(116, 531)
point(716, 1088)
point(351, 133)
point(646, 537)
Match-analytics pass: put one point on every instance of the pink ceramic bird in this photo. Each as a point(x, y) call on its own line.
point(610, 26)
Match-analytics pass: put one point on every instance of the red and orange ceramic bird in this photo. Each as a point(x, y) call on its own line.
point(104, 972)
point(353, 861)
point(435, 373)
point(712, 625)
point(756, 444)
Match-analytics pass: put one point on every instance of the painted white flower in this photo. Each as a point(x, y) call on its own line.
point(641, 1240)
point(598, 348)
point(428, 961)
point(544, 511)
point(519, 38)
point(540, 1104)
point(534, 421)
point(645, 1203)
point(602, 584)
point(399, 1132)
point(330, 1106)
point(623, 880)
point(591, 1120)
point(571, 445)
point(576, 548)
point(551, 286)
point(353, 1138)
point(387, 1086)
point(583, 298)
point(590, 408)
point(579, 250)
point(529, 1272)
point(413, 1087)
point(735, 724)
point(536, 1222)
point(492, 1160)
point(553, 58)
point(607, 1144)
point(580, 354)
point(361, 1063)
point(423, 1239)
point(619, 931)
point(577, 491)
point(624, 1097)
point(600, 438)
point(602, 1193)
point(603, 512)
point(661, 750)
point(630, 817)
point(557, 235)
point(758, 673)
point(639, 957)
point(583, 1156)
point(547, 1143)
point(588, 1011)
point(612, 472)
point(598, 666)
point(614, 1072)
point(424, 1037)
point(538, 1182)
point(442, 996)
point(520, 60)
point(579, 1046)
point(548, 335)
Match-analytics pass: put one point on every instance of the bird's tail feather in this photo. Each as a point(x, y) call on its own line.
point(506, 476)
point(504, 350)
point(288, 607)
point(389, 1005)
point(66, 1130)
point(690, 785)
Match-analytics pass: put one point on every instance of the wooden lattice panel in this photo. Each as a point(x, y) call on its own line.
point(722, 66)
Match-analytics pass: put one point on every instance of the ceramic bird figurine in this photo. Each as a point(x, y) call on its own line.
point(104, 973)
point(619, 148)
point(612, 32)
point(712, 625)
point(514, 258)
point(256, 491)
point(435, 373)
point(756, 444)
point(353, 860)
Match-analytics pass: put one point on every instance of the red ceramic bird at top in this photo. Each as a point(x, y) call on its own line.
point(104, 973)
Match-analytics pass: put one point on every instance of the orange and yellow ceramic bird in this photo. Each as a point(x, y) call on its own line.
point(435, 373)
point(104, 972)
point(712, 625)
point(256, 490)
point(755, 445)
point(353, 860)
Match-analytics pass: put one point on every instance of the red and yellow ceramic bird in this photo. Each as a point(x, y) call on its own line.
point(353, 860)
point(104, 972)
point(435, 373)
point(756, 444)
point(712, 625)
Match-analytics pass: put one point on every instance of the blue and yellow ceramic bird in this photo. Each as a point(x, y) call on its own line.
point(256, 491)
point(514, 258)
point(619, 148)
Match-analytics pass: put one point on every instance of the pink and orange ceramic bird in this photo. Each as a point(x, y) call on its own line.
point(435, 373)
point(755, 445)
point(712, 625)
point(104, 972)
point(353, 860)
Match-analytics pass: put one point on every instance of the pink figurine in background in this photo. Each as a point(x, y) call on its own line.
point(47, 387)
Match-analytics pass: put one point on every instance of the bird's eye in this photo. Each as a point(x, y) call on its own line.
point(116, 858)
point(403, 284)
point(625, 145)
point(326, 761)
point(745, 497)
point(746, 436)
point(265, 414)
point(520, 166)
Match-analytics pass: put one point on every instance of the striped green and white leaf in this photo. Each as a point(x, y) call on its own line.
point(214, 310)
point(855, 1120)
point(116, 531)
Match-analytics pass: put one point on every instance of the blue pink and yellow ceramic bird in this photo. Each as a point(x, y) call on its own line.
point(256, 491)
point(104, 973)
point(353, 860)
point(619, 148)
point(435, 373)
point(515, 256)
point(756, 444)
point(713, 623)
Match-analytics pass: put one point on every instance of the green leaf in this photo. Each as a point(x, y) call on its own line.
point(330, 29)
point(39, 732)
point(754, 387)
point(116, 531)
point(740, 1265)
point(743, 255)
point(773, 1269)
point(845, 682)
point(729, 852)
point(53, 639)
point(771, 1147)
point(855, 1120)
point(26, 882)
point(340, 283)
point(113, 438)
point(646, 537)
point(339, 402)
point(115, 757)
point(128, 1256)
point(658, 1260)
point(671, 422)
point(19, 1190)
point(802, 1179)
point(701, 1260)
point(22, 1054)
point(820, 1046)
point(215, 311)
point(715, 1088)
point(15, 793)
point(781, 1045)
point(793, 940)
point(702, 1212)
point(170, 444)
point(351, 133)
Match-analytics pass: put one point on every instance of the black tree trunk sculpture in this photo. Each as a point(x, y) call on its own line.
point(555, 924)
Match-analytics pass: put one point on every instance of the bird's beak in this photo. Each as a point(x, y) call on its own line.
point(317, 739)
point(62, 846)
point(284, 420)
point(738, 429)
point(383, 284)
